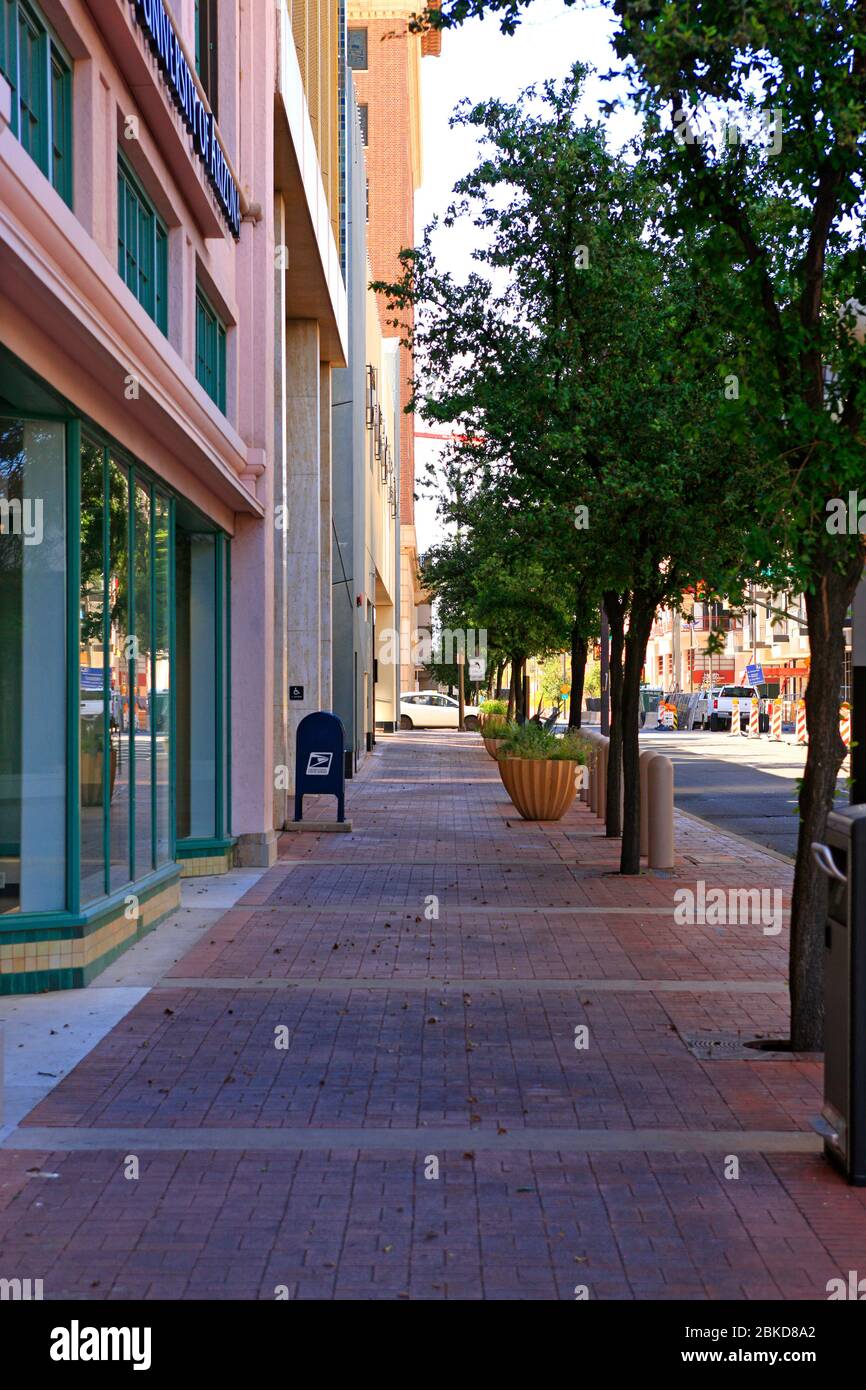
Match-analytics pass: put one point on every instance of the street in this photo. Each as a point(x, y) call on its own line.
point(746, 786)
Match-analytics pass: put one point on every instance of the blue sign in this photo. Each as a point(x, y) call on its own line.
point(319, 760)
point(159, 29)
point(754, 675)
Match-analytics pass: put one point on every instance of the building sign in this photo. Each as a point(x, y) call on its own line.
point(159, 29)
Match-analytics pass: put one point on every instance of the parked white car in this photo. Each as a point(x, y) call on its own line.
point(426, 709)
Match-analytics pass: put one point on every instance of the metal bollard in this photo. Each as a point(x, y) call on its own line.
point(644, 761)
point(660, 813)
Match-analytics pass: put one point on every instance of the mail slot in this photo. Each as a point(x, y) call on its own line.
point(842, 857)
point(320, 760)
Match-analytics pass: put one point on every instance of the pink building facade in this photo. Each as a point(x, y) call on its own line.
point(171, 307)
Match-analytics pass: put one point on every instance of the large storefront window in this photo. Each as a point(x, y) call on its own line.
point(113, 666)
point(200, 685)
point(125, 674)
point(32, 666)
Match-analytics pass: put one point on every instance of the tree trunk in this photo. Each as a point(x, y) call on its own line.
point(499, 673)
point(512, 691)
point(825, 611)
point(615, 607)
point(639, 628)
point(517, 681)
point(579, 647)
point(525, 689)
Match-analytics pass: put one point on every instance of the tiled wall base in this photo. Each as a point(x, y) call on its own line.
point(70, 957)
point(214, 864)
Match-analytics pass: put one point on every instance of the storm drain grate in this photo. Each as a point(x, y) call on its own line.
point(731, 1047)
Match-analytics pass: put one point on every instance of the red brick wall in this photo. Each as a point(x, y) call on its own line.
point(385, 89)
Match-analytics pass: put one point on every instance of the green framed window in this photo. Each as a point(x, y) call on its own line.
point(210, 350)
point(114, 681)
point(142, 246)
point(40, 75)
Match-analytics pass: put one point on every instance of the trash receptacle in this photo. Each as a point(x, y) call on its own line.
point(842, 857)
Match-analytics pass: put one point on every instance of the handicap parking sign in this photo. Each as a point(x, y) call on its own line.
point(319, 764)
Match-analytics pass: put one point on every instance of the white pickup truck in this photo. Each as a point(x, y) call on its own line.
point(722, 704)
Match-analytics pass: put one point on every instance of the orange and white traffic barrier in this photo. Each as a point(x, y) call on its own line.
point(800, 726)
point(735, 716)
point(754, 722)
point(667, 715)
point(845, 724)
point(776, 721)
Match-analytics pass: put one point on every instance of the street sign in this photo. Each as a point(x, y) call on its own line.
point(320, 760)
point(477, 667)
point(754, 675)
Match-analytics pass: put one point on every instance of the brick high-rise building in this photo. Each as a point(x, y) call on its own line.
point(385, 58)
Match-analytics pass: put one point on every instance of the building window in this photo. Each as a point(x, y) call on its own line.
point(114, 690)
point(206, 64)
point(142, 247)
point(33, 752)
point(356, 50)
point(364, 117)
point(40, 75)
point(210, 350)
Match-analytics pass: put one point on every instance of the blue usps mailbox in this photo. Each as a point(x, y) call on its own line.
point(319, 760)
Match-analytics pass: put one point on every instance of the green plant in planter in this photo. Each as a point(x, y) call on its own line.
point(92, 736)
point(533, 741)
point(491, 707)
point(496, 726)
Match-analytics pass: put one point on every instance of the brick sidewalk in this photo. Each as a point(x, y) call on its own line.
point(416, 1040)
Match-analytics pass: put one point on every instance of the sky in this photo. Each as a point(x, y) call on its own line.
point(479, 62)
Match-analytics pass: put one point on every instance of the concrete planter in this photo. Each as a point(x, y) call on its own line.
point(91, 776)
point(541, 788)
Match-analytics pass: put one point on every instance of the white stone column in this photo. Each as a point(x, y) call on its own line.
point(282, 807)
point(326, 528)
point(303, 524)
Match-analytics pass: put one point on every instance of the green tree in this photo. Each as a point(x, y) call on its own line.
point(584, 372)
point(781, 205)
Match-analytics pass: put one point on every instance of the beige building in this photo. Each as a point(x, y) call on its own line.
point(385, 59)
point(711, 644)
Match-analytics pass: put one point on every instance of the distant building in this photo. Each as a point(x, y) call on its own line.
point(366, 483)
point(385, 58)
